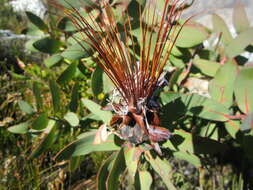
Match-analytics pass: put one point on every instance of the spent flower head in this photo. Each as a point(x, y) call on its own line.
point(136, 69)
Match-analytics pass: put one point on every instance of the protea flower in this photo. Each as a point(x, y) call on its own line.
point(136, 71)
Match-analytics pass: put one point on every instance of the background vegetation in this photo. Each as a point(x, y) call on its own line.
point(55, 101)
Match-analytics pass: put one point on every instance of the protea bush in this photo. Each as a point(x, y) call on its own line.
point(135, 88)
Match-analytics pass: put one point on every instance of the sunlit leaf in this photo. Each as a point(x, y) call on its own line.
point(200, 106)
point(145, 180)
point(191, 158)
point(191, 35)
point(244, 91)
point(72, 119)
point(85, 145)
point(232, 127)
point(53, 60)
point(240, 19)
point(238, 45)
point(131, 161)
point(77, 51)
point(25, 107)
point(220, 26)
point(105, 116)
point(21, 128)
point(207, 67)
point(222, 86)
point(163, 168)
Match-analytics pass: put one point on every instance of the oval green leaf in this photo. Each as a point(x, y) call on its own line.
point(72, 119)
point(191, 35)
point(222, 86)
point(21, 128)
point(94, 108)
point(41, 122)
point(25, 107)
point(238, 45)
point(244, 91)
point(47, 45)
point(37, 21)
point(84, 146)
point(67, 74)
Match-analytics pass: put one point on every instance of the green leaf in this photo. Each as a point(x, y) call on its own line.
point(21, 128)
point(108, 86)
point(176, 52)
point(163, 168)
point(131, 162)
point(25, 107)
point(244, 91)
point(29, 45)
point(55, 93)
point(191, 158)
point(180, 141)
point(100, 82)
point(97, 81)
point(222, 86)
point(66, 25)
point(37, 21)
point(200, 106)
point(169, 97)
point(207, 67)
point(187, 143)
point(204, 107)
point(77, 51)
point(145, 180)
point(104, 172)
point(232, 127)
point(191, 35)
point(67, 74)
point(72, 119)
point(38, 95)
point(238, 45)
point(47, 45)
point(94, 108)
point(118, 166)
point(220, 26)
point(84, 146)
point(53, 60)
point(49, 137)
point(177, 62)
point(73, 105)
point(41, 122)
point(240, 19)
point(75, 163)
point(78, 4)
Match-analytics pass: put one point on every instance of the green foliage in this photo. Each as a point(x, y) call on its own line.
point(58, 107)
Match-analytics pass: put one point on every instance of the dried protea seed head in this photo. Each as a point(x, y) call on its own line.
point(134, 63)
